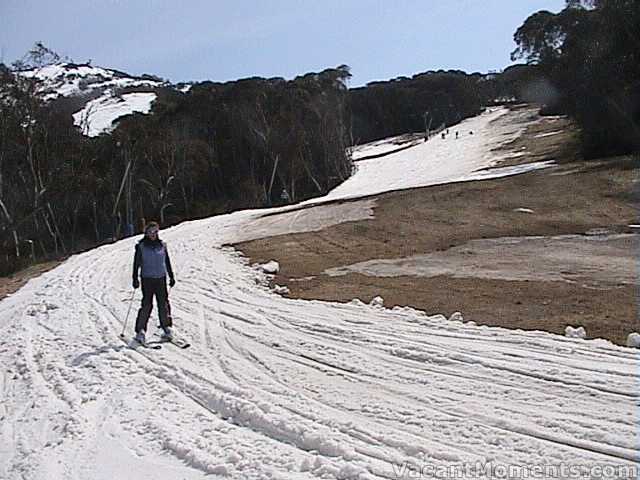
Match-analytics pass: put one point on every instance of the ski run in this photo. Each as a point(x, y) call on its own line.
point(289, 389)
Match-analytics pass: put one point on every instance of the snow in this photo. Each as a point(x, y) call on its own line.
point(64, 80)
point(377, 301)
point(548, 134)
point(633, 340)
point(99, 115)
point(281, 388)
point(280, 289)
point(382, 147)
point(572, 332)
point(603, 261)
point(438, 161)
point(271, 267)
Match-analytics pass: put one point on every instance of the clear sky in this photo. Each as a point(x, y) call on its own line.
point(225, 40)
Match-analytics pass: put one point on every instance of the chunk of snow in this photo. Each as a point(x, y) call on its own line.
point(572, 332)
point(456, 317)
point(271, 267)
point(523, 210)
point(377, 301)
point(281, 289)
point(633, 340)
point(597, 231)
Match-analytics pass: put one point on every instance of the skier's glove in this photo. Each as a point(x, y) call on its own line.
point(136, 283)
point(172, 282)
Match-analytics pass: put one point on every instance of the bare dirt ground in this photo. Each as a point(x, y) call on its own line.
point(552, 283)
point(15, 281)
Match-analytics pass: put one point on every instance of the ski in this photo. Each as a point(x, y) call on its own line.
point(175, 341)
point(151, 346)
point(133, 344)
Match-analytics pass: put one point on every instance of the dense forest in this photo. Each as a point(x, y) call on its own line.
point(589, 53)
point(259, 142)
point(434, 99)
point(219, 147)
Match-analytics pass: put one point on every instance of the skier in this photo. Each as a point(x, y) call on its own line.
point(151, 261)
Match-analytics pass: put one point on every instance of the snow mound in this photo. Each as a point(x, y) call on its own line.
point(572, 332)
point(271, 267)
point(281, 289)
point(377, 301)
point(633, 340)
point(456, 317)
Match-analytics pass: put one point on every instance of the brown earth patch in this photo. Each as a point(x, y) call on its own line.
point(17, 280)
point(571, 198)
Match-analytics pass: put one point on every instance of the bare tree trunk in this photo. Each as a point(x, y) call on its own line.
point(95, 221)
point(16, 240)
point(273, 176)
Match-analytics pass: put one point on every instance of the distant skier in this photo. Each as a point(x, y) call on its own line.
point(151, 262)
point(457, 135)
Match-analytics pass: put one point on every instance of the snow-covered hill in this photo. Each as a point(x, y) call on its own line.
point(107, 94)
point(291, 389)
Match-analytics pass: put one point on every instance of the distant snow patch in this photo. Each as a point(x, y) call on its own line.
point(523, 210)
point(490, 173)
point(605, 261)
point(298, 220)
point(98, 115)
point(548, 134)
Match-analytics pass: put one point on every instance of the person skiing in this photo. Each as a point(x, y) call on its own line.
point(151, 262)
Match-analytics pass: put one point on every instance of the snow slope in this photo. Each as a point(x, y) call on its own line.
point(105, 86)
point(292, 389)
point(440, 161)
point(99, 115)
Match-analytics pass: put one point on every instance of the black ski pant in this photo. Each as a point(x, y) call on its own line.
point(153, 287)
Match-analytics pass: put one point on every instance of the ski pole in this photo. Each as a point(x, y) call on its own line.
point(128, 312)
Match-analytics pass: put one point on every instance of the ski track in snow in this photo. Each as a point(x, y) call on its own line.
point(288, 389)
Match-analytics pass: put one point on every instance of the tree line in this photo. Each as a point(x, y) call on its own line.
point(589, 55)
point(218, 147)
point(215, 148)
point(259, 142)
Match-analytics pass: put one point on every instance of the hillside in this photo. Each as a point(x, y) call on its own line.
point(537, 251)
point(287, 388)
point(105, 95)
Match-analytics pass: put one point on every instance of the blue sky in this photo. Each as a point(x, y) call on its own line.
point(225, 40)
